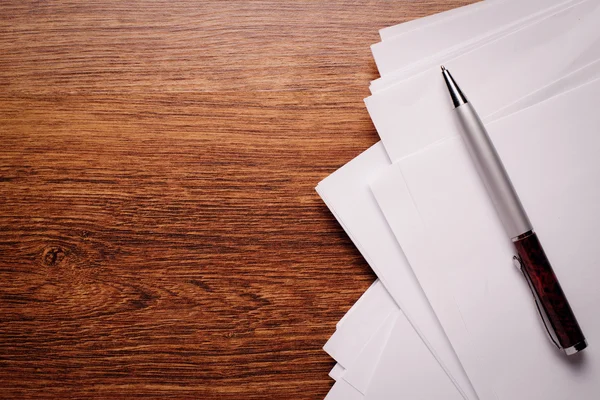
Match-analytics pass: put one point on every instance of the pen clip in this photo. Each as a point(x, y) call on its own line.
point(538, 304)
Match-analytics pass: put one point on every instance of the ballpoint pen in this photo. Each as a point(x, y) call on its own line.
point(551, 302)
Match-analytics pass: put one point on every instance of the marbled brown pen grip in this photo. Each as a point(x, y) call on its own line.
point(536, 266)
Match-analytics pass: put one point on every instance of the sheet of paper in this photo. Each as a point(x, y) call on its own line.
point(342, 390)
point(492, 76)
point(374, 291)
point(580, 77)
point(412, 67)
point(399, 29)
point(371, 311)
point(361, 371)
point(360, 315)
point(431, 39)
point(405, 369)
point(408, 370)
point(337, 372)
point(442, 216)
point(346, 192)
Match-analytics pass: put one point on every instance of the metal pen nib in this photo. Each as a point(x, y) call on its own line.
point(458, 98)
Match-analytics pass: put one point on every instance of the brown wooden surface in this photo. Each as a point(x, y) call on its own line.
point(160, 236)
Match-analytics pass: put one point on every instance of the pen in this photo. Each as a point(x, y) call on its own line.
point(551, 302)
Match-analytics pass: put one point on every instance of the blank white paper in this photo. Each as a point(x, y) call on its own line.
point(492, 76)
point(448, 228)
point(370, 312)
point(347, 194)
point(342, 390)
point(408, 370)
point(337, 372)
point(359, 374)
point(439, 37)
point(408, 68)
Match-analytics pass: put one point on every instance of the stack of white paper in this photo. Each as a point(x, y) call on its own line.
point(450, 317)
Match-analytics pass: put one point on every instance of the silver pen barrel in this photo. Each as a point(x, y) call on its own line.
point(488, 164)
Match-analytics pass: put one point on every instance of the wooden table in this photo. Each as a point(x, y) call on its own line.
point(160, 236)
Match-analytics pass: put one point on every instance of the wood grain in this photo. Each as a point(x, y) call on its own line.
point(160, 236)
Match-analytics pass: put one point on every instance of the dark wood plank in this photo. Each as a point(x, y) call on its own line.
point(159, 231)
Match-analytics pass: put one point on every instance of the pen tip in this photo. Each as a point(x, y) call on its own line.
point(443, 68)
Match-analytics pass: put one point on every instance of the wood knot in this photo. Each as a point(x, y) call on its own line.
point(53, 256)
